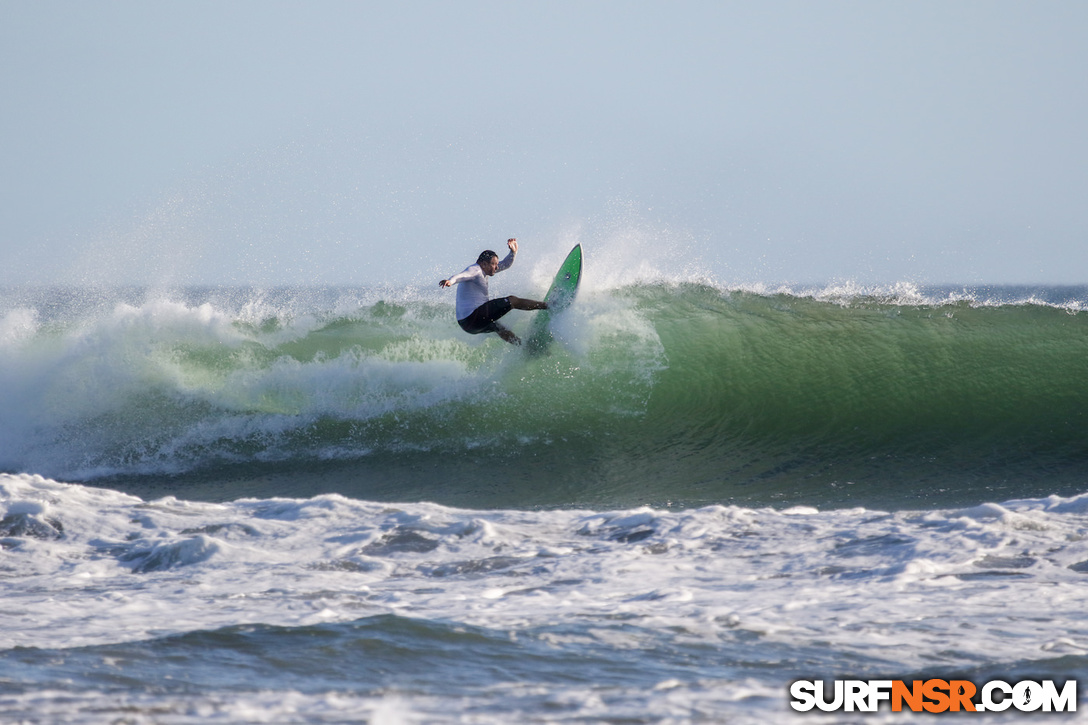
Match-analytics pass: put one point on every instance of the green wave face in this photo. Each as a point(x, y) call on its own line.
point(657, 393)
point(805, 397)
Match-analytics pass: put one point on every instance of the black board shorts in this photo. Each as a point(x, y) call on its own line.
point(484, 318)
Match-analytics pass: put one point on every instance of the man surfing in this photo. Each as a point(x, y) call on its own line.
point(475, 312)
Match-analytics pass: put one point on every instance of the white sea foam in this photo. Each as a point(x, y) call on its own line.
point(887, 593)
point(165, 386)
point(86, 565)
point(17, 325)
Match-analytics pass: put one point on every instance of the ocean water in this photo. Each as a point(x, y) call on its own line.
point(330, 505)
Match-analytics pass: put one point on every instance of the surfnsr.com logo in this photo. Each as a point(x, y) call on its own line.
point(934, 696)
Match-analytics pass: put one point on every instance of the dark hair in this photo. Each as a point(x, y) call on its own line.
point(485, 256)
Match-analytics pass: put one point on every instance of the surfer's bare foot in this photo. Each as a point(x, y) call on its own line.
point(510, 337)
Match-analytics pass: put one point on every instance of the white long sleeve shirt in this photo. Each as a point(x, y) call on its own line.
point(473, 286)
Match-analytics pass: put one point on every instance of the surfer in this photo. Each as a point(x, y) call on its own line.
point(475, 312)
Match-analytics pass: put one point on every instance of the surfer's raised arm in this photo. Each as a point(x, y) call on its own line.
point(487, 264)
point(509, 259)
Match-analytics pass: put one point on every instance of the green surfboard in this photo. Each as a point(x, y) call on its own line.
point(560, 296)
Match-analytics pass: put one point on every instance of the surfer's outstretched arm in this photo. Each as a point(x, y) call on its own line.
point(471, 272)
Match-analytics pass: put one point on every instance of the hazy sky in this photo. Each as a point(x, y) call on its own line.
point(387, 142)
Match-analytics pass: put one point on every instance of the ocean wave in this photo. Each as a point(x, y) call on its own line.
point(655, 391)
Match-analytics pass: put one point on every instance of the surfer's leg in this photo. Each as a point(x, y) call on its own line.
point(519, 303)
point(506, 334)
point(483, 317)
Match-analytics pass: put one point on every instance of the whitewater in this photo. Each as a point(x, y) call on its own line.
point(328, 504)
